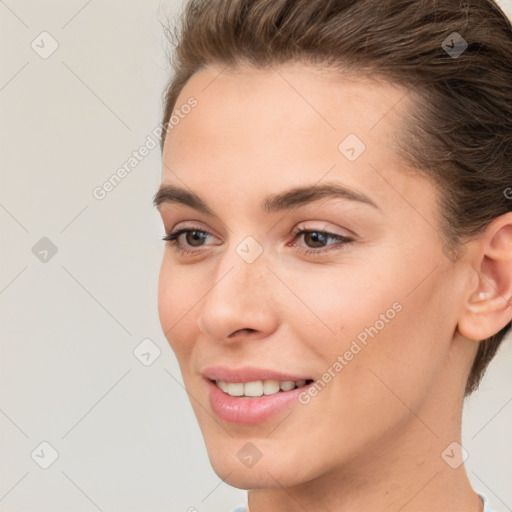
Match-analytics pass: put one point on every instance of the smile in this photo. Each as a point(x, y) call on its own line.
point(259, 387)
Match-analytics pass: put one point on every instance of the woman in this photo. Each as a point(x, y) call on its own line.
point(338, 273)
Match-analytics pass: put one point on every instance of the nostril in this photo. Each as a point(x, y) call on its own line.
point(247, 329)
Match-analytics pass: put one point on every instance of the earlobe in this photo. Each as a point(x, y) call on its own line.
point(488, 307)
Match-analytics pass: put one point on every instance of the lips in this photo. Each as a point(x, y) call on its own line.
point(249, 374)
point(243, 410)
point(250, 411)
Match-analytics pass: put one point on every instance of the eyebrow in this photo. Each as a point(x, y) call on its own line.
point(287, 200)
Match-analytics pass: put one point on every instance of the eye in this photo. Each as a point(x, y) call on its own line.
point(316, 241)
point(193, 238)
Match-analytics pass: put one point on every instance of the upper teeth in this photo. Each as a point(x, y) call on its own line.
point(258, 387)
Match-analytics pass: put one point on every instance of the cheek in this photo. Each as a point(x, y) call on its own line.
point(402, 358)
point(165, 298)
point(374, 320)
point(174, 303)
point(341, 304)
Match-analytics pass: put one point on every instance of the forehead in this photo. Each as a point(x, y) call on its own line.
point(268, 128)
point(323, 99)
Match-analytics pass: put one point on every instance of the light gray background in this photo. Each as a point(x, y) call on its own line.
point(125, 433)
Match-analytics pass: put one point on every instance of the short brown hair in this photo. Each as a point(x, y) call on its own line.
point(459, 132)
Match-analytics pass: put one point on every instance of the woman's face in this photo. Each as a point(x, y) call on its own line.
point(365, 302)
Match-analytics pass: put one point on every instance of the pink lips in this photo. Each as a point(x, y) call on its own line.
point(245, 410)
point(247, 374)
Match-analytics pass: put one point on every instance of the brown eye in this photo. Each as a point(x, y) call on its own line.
point(316, 241)
point(195, 238)
point(316, 238)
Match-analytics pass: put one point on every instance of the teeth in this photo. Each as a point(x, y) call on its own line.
point(287, 385)
point(235, 389)
point(252, 388)
point(270, 387)
point(258, 388)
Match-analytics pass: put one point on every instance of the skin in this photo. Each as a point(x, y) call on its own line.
point(372, 439)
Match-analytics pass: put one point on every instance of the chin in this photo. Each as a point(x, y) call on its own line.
point(269, 472)
point(254, 478)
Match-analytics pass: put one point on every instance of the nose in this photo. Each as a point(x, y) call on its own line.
point(239, 301)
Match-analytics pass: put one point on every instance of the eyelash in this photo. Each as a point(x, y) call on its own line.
point(172, 240)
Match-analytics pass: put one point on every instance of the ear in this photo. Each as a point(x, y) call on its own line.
point(488, 307)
